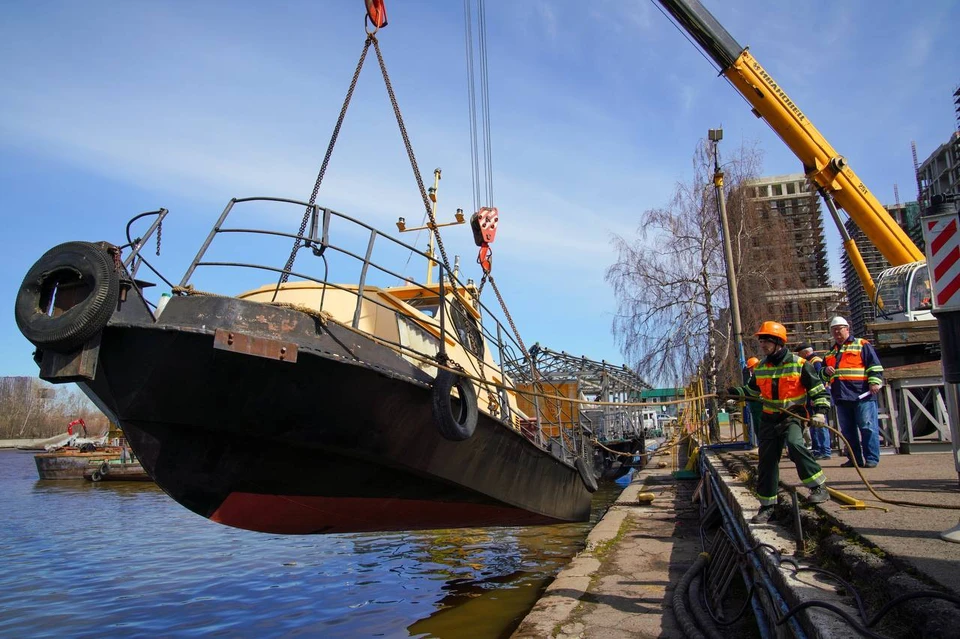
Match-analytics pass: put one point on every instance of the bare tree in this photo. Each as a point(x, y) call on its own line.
point(670, 280)
point(666, 279)
point(31, 408)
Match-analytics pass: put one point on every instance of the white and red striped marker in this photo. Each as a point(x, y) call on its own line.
point(942, 236)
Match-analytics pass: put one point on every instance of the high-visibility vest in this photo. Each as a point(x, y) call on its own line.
point(848, 361)
point(785, 377)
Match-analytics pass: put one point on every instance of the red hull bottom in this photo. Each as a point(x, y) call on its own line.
point(303, 515)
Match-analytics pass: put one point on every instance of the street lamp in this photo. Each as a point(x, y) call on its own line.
point(715, 135)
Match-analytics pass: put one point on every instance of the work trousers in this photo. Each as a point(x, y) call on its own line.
point(820, 441)
point(772, 439)
point(858, 423)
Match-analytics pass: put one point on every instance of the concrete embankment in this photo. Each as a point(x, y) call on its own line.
point(622, 583)
point(625, 582)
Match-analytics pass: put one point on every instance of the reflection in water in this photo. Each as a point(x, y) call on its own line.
point(118, 558)
point(511, 568)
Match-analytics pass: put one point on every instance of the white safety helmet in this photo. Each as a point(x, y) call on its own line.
point(838, 321)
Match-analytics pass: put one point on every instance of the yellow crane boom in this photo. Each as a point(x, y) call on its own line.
point(822, 164)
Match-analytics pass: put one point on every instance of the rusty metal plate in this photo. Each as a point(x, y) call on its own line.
point(257, 346)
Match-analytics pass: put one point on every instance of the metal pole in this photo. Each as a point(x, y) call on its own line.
point(715, 135)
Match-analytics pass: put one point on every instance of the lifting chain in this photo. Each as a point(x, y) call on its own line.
point(506, 312)
point(371, 39)
point(326, 160)
point(159, 234)
point(413, 159)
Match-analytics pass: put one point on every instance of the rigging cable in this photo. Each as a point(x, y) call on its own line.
point(481, 147)
point(471, 102)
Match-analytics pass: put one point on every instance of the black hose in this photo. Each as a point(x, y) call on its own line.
point(697, 597)
point(680, 609)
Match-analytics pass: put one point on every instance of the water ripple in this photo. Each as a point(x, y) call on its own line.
point(87, 560)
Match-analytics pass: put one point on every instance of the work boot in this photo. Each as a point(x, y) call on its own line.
point(764, 515)
point(818, 495)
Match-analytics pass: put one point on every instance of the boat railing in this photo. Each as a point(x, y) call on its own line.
point(321, 225)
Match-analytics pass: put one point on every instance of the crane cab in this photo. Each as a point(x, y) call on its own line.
point(904, 294)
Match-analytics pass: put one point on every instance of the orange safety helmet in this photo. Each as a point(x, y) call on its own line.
point(752, 362)
point(772, 329)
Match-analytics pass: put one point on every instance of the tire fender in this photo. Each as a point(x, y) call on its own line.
point(80, 270)
point(455, 419)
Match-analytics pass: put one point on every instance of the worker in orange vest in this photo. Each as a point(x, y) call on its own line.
point(784, 381)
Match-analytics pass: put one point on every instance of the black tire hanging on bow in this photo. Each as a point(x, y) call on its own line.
point(456, 419)
point(589, 480)
point(80, 272)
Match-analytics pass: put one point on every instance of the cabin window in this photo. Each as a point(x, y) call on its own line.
point(429, 306)
point(467, 329)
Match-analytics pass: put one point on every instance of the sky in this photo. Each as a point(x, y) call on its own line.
point(109, 109)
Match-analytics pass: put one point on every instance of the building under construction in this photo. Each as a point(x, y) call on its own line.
point(805, 304)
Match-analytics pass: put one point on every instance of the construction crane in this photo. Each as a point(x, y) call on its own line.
point(836, 182)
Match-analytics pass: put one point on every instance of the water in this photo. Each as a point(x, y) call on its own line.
point(122, 559)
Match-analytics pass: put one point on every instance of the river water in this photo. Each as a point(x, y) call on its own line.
point(122, 559)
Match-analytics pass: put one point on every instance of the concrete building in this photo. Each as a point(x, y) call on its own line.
point(939, 174)
point(805, 310)
point(795, 205)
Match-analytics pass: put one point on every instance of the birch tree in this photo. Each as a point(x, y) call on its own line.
point(670, 279)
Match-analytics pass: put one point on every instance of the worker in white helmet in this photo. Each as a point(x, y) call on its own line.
point(854, 374)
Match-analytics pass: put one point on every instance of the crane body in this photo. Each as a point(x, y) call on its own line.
point(822, 164)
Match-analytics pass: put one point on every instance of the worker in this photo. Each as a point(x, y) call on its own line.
point(855, 376)
point(783, 380)
point(819, 435)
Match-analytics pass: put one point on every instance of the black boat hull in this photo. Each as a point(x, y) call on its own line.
point(268, 419)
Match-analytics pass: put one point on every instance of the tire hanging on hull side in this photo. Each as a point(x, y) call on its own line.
point(456, 419)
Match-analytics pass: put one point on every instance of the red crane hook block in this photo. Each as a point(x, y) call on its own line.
point(484, 224)
point(377, 13)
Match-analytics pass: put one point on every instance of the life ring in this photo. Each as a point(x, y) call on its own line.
point(456, 419)
point(589, 480)
point(84, 281)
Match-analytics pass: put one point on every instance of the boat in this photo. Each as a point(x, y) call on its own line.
point(306, 406)
point(595, 397)
point(70, 462)
point(337, 394)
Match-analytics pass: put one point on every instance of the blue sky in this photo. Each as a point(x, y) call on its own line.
point(113, 108)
